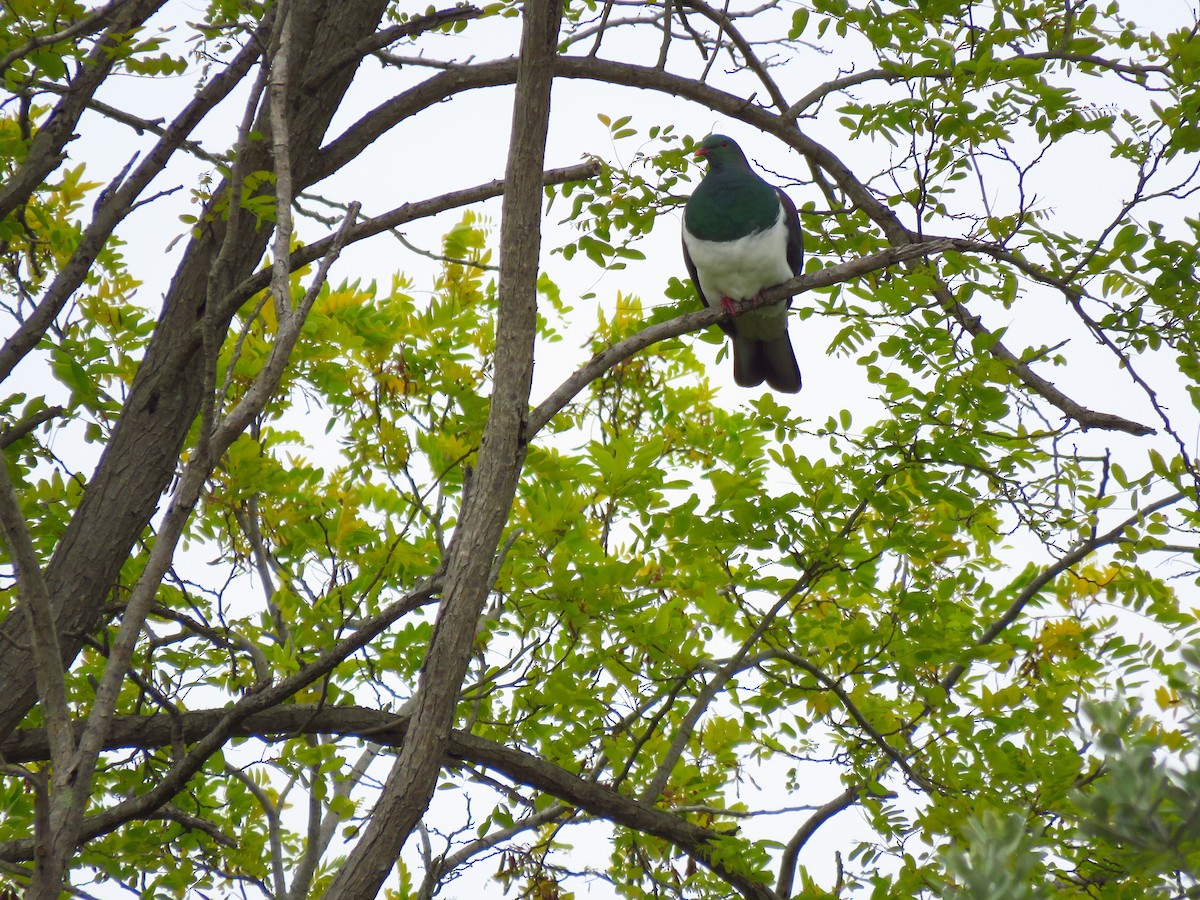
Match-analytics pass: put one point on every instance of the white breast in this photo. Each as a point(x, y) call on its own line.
point(741, 269)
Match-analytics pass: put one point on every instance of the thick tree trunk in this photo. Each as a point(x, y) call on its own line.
point(489, 497)
point(165, 398)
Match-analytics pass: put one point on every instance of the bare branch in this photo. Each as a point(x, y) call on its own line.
point(344, 786)
point(823, 90)
point(137, 123)
point(409, 212)
point(1076, 555)
point(791, 853)
point(1086, 418)
point(280, 140)
point(851, 707)
point(78, 774)
point(53, 802)
point(446, 864)
point(752, 62)
point(414, 26)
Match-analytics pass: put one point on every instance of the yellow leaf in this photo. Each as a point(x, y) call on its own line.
point(1166, 698)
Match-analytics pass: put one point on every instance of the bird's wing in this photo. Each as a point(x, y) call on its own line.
point(795, 244)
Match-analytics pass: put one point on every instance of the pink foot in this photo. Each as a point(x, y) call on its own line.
point(727, 305)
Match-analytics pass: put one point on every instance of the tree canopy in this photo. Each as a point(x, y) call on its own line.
point(377, 510)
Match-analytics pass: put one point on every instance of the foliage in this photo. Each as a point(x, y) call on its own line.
point(951, 587)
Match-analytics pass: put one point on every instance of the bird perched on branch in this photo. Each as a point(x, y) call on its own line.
point(741, 236)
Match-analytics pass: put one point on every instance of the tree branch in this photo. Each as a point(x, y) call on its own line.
point(851, 707)
point(415, 26)
point(782, 126)
point(56, 796)
point(18, 430)
point(1076, 555)
point(695, 321)
point(791, 853)
point(752, 62)
point(277, 91)
point(409, 212)
point(391, 729)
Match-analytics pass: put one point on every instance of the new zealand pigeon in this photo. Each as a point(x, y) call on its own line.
point(741, 236)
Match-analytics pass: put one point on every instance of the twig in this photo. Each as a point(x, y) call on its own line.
point(1076, 555)
point(139, 125)
point(171, 813)
point(852, 708)
point(395, 59)
point(821, 91)
point(446, 864)
point(725, 23)
point(437, 257)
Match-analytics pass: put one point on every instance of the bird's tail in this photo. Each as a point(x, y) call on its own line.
point(771, 361)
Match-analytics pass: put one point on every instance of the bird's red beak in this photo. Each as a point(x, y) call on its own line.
point(702, 153)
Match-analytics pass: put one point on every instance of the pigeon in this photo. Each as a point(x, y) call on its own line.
point(741, 236)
